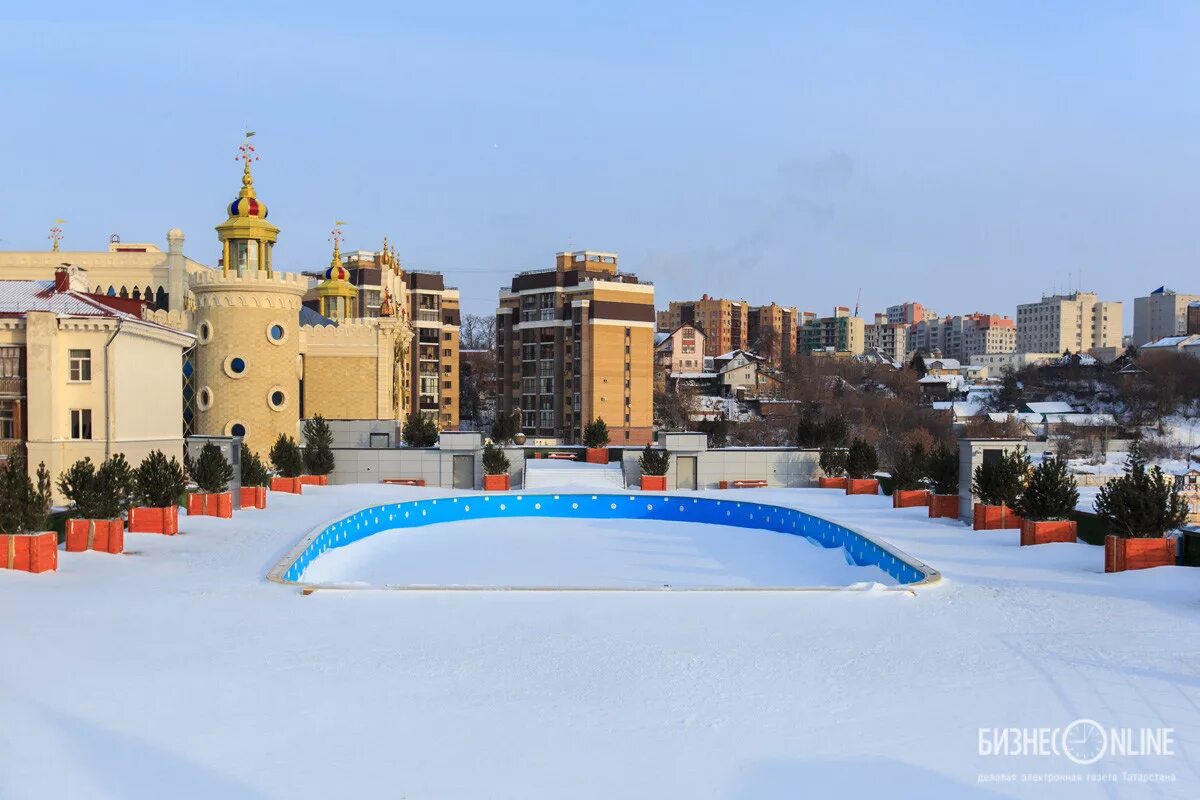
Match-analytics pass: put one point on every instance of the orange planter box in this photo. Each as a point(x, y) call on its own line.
point(289, 485)
point(995, 518)
point(597, 455)
point(496, 483)
point(862, 486)
point(154, 520)
point(1047, 531)
point(314, 480)
point(910, 498)
point(654, 483)
point(29, 552)
point(211, 505)
point(1121, 553)
point(253, 497)
point(943, 505)
point(101, 535)
point(831, 483)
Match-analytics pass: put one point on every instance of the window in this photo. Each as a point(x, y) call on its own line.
point(446, 384)
point(8, 420)
point(277, 399)
point(276, 332)
point(81, 423)
point(10, 362)
point(446, 369)
point(204, 332)
point(446, 352)
point(237, 429)
point(445, 337)
point(80, 365)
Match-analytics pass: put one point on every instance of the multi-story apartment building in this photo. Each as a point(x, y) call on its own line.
point(925, 337)
point(726, 322)
point(1078, 322)
point(908, 314)
point(1161, 313)
point(888, 338)
point(434, 314)
point(971, 334)
point(576, 343)
point(772, 332)
point(840, 333)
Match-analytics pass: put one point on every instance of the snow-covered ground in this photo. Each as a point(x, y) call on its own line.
point(178, 671)
point(598, 553)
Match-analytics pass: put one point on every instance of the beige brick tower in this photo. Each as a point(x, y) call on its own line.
point(248, 331)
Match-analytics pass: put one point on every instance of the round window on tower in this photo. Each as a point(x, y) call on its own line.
point(277, 332)
point(204, 398)
point(235, 366)
point(237, 429)
point(277, 398)
point(204, 332)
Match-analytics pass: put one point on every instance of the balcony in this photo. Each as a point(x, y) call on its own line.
point(9, 446)
point(12, 386)
point(428, 315)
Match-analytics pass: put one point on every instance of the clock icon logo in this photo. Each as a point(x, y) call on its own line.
point(1084, 741)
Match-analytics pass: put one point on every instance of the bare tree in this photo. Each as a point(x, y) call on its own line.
point(477, 332)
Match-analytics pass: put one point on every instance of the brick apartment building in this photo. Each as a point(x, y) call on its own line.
point(574, 343)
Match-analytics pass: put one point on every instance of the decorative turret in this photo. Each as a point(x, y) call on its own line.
point(247, 238)
point(337, 298)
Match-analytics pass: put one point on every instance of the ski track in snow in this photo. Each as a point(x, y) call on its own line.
point(179, 671)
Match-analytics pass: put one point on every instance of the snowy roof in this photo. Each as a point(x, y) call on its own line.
point(17, 298)
point(1173, 342)
point(1053, 407)
point(1081, 419)
point(936, 379)
point(660, 337)
point(694, 376)
point(943, 363)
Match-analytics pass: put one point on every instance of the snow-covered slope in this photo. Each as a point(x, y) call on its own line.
point(548, 473)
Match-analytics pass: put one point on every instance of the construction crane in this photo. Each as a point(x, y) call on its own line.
point(857, 301)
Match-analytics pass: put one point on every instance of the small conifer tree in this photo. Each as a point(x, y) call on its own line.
point(159, 481)
point(254, 472)
point(833, 461)
point(213, 471)
point(861, 460)
point(1051, 492)
point(286, 457)
point(495, 462)
point(595, 434)
point(654, 462)
point(943, 470)
point(999, 482)
point(318, 446)
point(1143, 503)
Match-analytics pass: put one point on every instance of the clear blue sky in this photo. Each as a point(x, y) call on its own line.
point(968, 156)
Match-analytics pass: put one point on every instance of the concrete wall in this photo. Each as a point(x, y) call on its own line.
point(779, 467)
point(356, 433)
point(433, 465)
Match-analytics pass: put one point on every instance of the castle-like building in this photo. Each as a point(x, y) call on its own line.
point(262, 360)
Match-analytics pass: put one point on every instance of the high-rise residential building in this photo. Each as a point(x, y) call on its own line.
point(840, 333)
point(1161, 313)
point(772, 331)
point(888, 338)
point(908, 314)
point(1078, 322)
point(925, 337)
point(973, 334)
point(725, 322)
point(575, 343)
point(434, 314)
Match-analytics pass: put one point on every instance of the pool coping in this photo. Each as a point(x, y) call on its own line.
point(276, 573)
